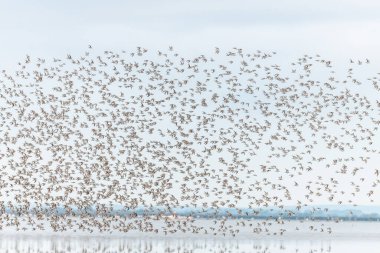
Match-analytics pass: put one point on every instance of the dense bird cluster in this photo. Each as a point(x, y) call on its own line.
point(88, 140)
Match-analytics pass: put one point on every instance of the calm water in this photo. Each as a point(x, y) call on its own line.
point(346, 237)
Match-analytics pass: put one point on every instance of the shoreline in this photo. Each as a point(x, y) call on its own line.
point(361, 230)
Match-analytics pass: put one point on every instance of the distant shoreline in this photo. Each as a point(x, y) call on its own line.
point(317, 213)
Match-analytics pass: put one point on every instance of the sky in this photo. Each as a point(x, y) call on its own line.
point(339, 30)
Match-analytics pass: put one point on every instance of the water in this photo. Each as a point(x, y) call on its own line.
point(346, 237)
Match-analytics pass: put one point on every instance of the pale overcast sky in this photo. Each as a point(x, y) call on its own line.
point(333, 28)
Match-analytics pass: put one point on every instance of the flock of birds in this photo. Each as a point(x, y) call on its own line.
point(156, 129)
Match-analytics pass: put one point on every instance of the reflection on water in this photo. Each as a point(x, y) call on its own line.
point(55, 244)
point(46, 244)
point(348, 237)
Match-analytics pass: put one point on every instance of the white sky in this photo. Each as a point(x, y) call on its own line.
point(333, 28)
